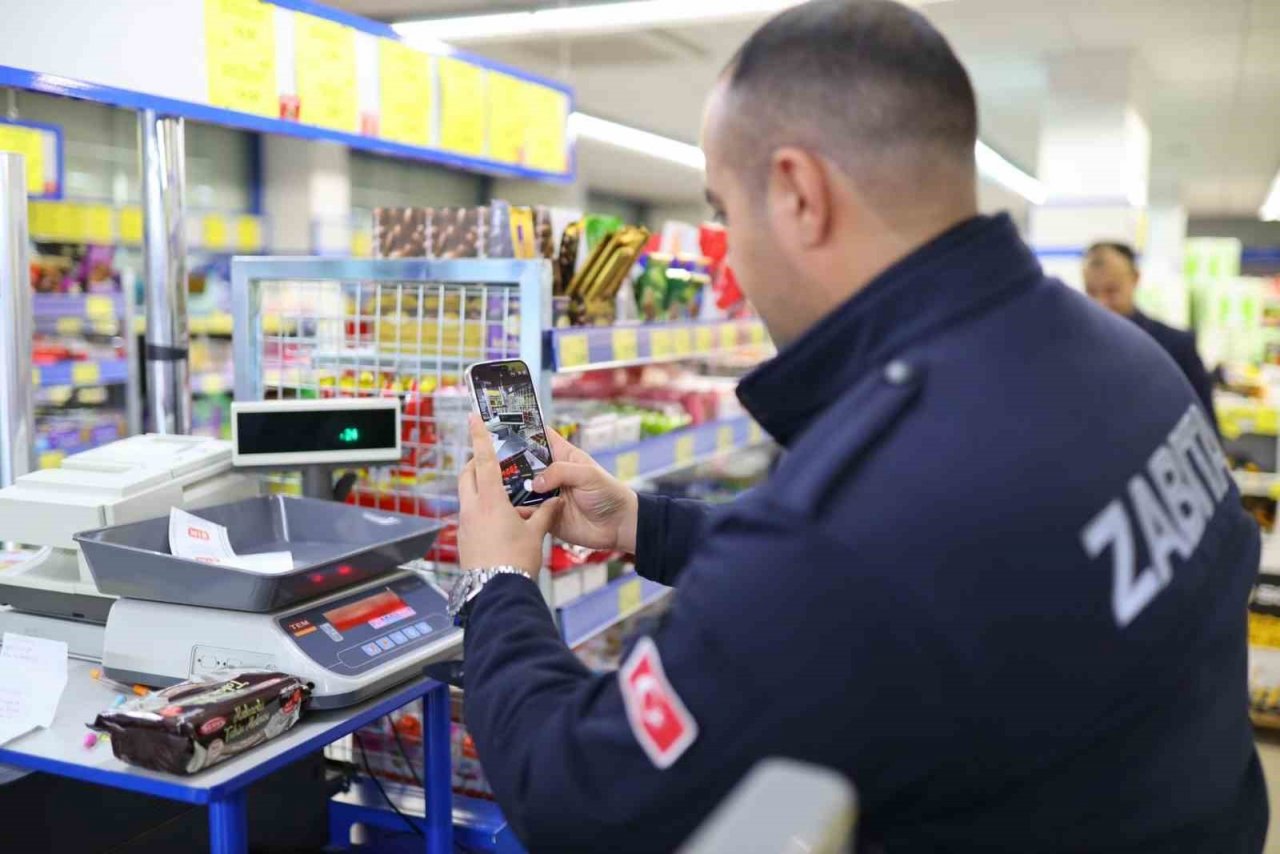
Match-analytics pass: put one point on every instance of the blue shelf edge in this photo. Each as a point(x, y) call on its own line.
point(71, 305)
point(590, 614)
point(110, 372)
point(681, 448)
point(478, 824)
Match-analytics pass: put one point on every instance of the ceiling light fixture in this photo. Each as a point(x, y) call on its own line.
point(1270, 210)
point(579, 20)
point(993, 166)
point(584, 126)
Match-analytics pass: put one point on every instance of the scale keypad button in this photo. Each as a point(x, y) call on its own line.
point(386, 643)
point(371, 649)
point(422, 627)
point(410, 632)
point(399, 637)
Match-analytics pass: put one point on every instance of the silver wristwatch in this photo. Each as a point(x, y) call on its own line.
point(473, 581)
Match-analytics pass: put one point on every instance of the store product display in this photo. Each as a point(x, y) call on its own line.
point(190, 726)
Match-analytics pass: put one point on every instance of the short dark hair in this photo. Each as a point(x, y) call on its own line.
point(1123, 249)
point(854, 78)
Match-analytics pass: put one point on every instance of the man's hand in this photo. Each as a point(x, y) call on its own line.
point(599, 511)
point(490, 531)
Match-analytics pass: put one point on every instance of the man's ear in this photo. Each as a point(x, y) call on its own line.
point(799, 197)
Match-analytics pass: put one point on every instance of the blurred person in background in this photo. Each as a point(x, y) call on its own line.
point(1111, 279)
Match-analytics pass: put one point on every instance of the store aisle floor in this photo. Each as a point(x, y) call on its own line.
point(1269, 749)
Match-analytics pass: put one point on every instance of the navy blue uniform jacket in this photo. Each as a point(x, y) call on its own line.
point(999, 580)
point(1181, 347)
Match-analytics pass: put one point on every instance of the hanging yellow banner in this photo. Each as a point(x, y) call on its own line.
point(131, 225)
point(325, 59)
point(508, 103)
point(545, 135)
point(26, 141)
point(240, 55)
point(404, 93)
point(462, 107)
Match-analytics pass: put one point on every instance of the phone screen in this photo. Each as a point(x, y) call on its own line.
point(508, 406)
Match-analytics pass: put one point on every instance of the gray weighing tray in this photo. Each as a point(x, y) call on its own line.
point(334, 546)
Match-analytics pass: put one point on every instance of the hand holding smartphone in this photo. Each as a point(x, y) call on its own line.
point(505, 399)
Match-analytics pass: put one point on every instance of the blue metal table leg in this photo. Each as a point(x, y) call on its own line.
point(228, 824)
point(437, 771)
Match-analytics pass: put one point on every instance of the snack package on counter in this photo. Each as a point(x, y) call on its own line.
point(194, 724)
point(498, 240)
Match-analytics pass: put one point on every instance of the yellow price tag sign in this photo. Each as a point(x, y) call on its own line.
point(69, 325)
point(361, 243)
point(507, 105)
point(325, 65)
point(630, 595)
point(704, 339)
point(626, 345)
point(70, 222)
point(220, 323)
point(213, 384)
point(1273, 491)
point(131, 225)
point(51, 459)
point(728, 336)
point(681, 341)
point(99, 225)
point(627, 466)
point(85, 373)
point(39, 218)
point(248, 234)
point(757, 334)
point(106, 327)
point(99, 307)
point(546, 120)
point(462, 107)
point(755, 433)
point(574, 352)
point(240, 56)
point(36, 379)
point(684, 450)
point(724, 439)
point(404, 93)
point(28, 142)
point(213, 232)
point(660, 343)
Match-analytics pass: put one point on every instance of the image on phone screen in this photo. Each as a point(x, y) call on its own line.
point(508, 406)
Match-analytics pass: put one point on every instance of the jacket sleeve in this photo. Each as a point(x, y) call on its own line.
point(567, 765)
point(666, 532)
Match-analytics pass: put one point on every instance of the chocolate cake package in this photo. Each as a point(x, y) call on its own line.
point(189, 726)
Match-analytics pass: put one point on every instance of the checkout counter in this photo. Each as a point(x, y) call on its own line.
point(349, 617)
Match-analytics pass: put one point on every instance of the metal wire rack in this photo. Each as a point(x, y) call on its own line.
point(408, 328)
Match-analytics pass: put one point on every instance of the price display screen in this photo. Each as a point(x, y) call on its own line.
point(379, 610)
point(303, 432)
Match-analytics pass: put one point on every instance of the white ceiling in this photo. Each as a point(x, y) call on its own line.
point(1214, 69)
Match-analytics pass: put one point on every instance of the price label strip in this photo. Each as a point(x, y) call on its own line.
point(627, 466)
point(684, 450)
point(724, 439)
point(626, 345)
point(682, 341)
point(704, 339)
point(630, 595)
point(660, 344)
point(573, 350)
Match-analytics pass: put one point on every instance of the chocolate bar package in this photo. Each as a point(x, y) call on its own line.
point(192, 725)
point(458, 232)
point(400, 232)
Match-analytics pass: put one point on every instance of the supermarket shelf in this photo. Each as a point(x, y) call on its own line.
point(590, 614)
point(85, 306)
point(82, 374)
point(366, 358)
point(589, 348)
point(1258, 484)
point(681, 448)
point(478, 825)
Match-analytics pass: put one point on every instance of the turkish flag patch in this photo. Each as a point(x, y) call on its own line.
point(658, 717)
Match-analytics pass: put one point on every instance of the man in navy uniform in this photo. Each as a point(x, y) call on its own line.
point(999, 578)
point(1111, 280)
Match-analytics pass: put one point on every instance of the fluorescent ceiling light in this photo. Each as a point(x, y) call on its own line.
point(991, 165)
point(611, 133)
point(577, 20)
point(1270, 210)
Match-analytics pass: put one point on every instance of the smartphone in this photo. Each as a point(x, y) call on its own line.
point(507, 403)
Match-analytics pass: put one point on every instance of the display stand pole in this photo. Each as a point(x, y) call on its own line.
point(160, 141)
point(17, 424)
